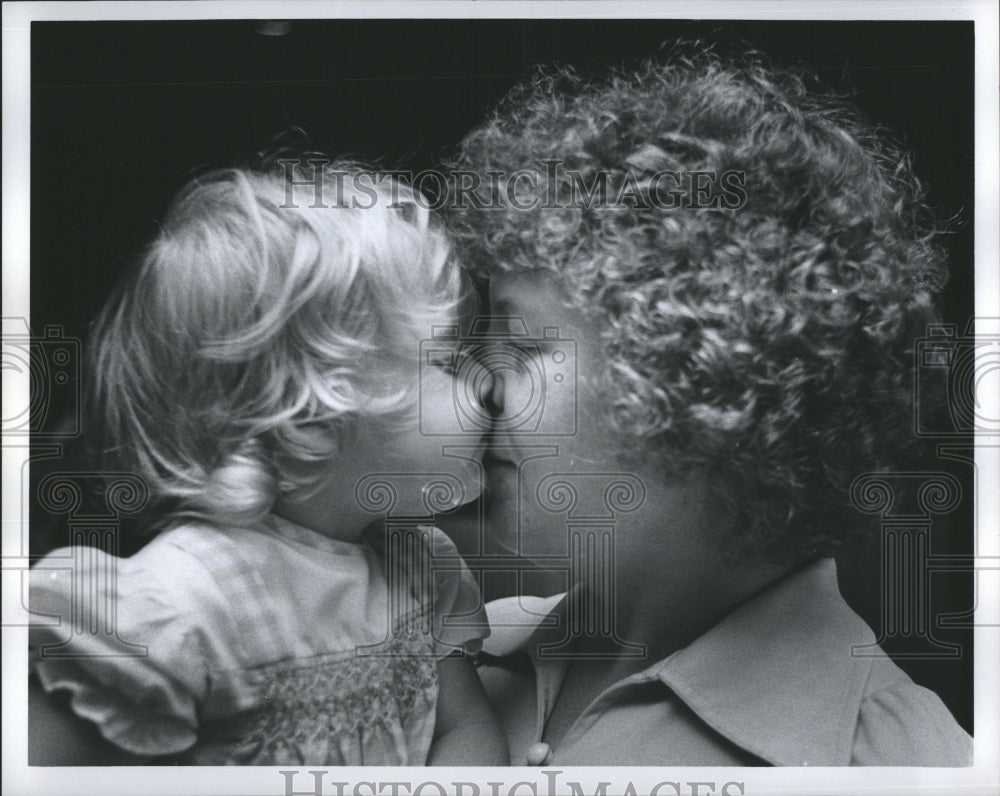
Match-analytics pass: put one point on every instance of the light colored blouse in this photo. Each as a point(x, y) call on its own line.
point(270, 645)
point(790, 678)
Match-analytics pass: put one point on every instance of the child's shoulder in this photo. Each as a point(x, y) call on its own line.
point(177, 571)
point(271, 574)
point(189, 557)
point(207, 566)
point(203, 546)
point(186, 592)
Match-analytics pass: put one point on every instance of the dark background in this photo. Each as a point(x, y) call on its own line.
point(123, 113)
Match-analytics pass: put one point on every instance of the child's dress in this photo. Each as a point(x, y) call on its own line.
point(270, 645)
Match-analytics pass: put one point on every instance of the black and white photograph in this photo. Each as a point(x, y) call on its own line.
point(496, 399)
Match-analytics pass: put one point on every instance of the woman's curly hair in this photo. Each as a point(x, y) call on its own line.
point(769, 344)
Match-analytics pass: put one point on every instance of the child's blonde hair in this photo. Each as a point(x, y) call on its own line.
point(273, 308)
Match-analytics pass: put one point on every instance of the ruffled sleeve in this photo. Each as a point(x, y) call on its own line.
point(905, 724)
point(122, 637)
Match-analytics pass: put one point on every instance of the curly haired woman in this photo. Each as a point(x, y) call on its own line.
point(728, 269)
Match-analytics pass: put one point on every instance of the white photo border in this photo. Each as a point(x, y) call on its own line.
point(983, 777)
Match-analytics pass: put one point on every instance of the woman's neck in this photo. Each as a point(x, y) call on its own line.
point(665, 580)
point(661, 610)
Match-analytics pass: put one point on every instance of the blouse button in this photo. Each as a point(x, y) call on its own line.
point(539, 754)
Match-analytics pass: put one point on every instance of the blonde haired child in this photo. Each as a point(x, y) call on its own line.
point(258, 365)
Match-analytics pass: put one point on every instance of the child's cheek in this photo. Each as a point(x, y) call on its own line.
point(447, 444)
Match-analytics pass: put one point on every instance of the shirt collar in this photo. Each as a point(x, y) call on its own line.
point(777, 676)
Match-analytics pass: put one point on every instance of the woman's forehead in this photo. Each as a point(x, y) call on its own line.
point(537, 298)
